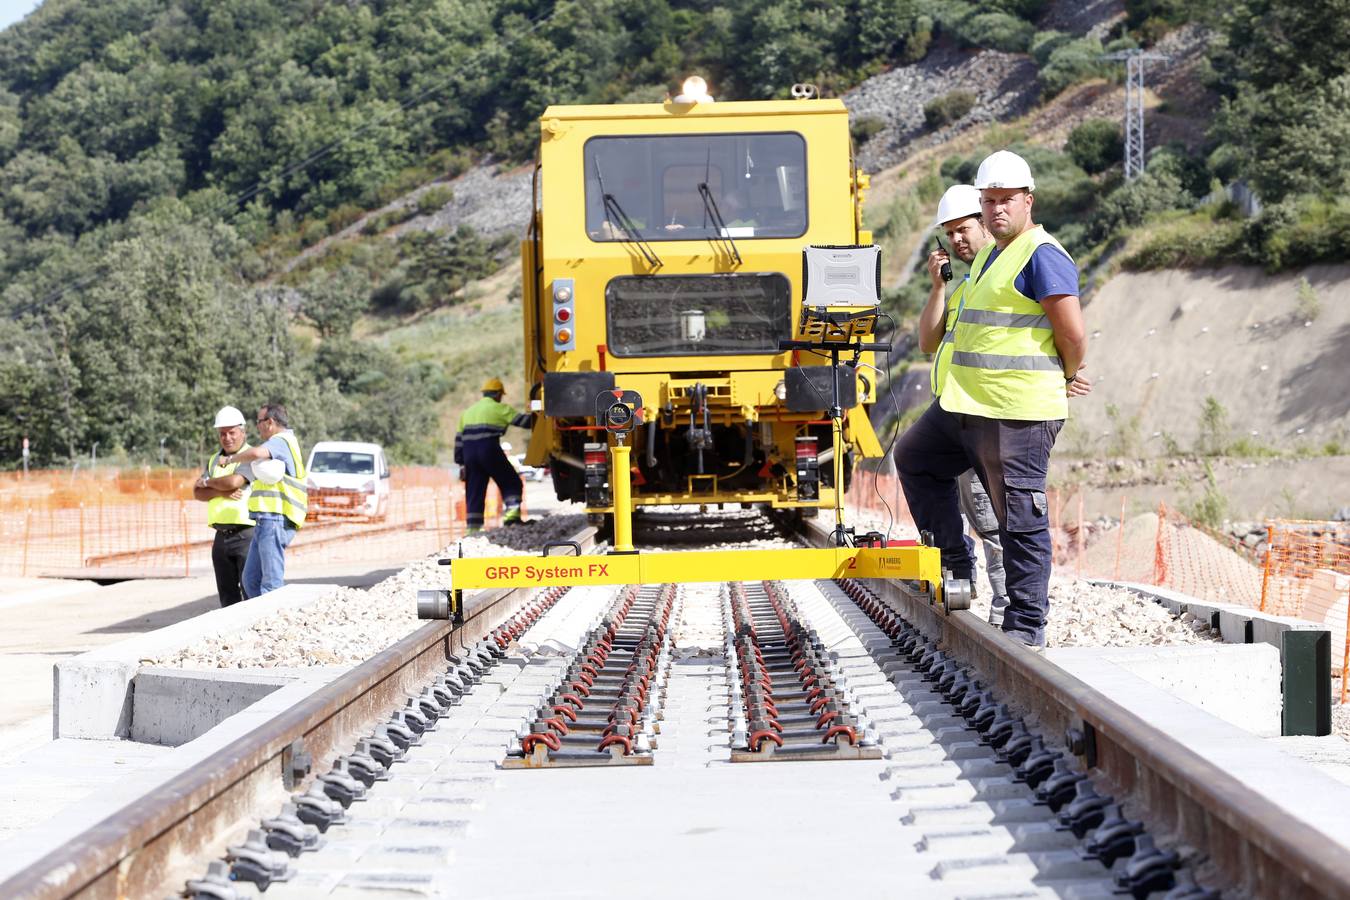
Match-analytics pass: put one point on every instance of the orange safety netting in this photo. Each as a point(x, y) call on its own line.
point(144, 523)
point(1306, 573)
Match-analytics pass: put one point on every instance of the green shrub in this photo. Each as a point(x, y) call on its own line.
point(930, 188)
point(312, 232)
point(1135, 201)
point(1095, 145)
point(434, 199)
point(997, 31)
point(1212, 507)
point(1043, 43)
point(1191, 241)
point(948, 108)
point(864, 127)
point(343, 216)
point(1309, 304)
point(1071, 62)
point(1213, 436)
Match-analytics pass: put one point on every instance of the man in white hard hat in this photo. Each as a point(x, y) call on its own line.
point(1016, 351)
point(227, 509)
point(958, 216)
point(278, 497)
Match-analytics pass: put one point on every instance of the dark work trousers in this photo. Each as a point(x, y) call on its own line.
point(483, 460)
point(228, 553)
point(1011, 458)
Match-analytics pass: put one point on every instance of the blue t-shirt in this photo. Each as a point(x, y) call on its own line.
point(282, 451)
point(1049, 273)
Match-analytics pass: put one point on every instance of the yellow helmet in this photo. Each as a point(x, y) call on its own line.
point(494, 384)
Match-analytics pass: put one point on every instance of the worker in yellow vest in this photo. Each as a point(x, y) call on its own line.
point(959, 218)
point(1016, 352)
point(275, 471)
point(478, 452)
point(227, 509)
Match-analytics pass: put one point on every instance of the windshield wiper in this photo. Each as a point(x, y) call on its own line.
point(720, 233)
point(710, 211)
point(615, 213)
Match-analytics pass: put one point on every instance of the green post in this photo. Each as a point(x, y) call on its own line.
point(1305, 661)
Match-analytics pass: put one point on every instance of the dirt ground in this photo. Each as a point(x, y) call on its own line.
point(1252, 489)
point(1161, 342)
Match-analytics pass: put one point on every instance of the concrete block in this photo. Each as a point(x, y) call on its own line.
point(1267, 629)
point(1235, 626)
point(1256, 762)
point(174, 706)
point(92, 693)
point(91, 697)
point(1238, 684)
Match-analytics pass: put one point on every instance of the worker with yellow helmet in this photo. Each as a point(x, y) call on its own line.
point(1015, 353)
point(478, 452)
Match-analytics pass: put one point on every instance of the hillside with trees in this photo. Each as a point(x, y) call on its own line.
point(164, 163)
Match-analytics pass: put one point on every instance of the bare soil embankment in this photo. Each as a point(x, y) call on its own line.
point(1164, 341)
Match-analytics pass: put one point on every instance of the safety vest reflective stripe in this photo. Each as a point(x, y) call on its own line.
point(302, 504)
point(1000, 362)
point(942, 358)
point(223, 510)
point(1004, 364)
point(1003, 319)
point(287, 497)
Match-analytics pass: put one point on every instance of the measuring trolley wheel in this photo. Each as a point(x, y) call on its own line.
point(955, 592)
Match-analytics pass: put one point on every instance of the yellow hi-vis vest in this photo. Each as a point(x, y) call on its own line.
point(942, 358)
point(223, 510)
point(1004, 364)
point(288, 496)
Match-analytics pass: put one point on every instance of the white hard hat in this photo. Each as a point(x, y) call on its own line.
point(228, 417)
point(961, 201)
point(268, 470)
point(1004, 169)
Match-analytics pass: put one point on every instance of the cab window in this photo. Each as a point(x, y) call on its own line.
point(696, 187)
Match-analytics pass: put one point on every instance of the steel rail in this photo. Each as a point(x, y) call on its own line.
point(149, 847)
point(1260, 845)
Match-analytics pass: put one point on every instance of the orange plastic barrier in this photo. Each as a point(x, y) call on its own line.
point(144, 523)
point(1307, 574)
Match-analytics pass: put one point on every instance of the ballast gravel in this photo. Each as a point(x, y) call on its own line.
point(349, 626)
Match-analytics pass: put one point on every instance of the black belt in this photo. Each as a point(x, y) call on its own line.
point(231, 529)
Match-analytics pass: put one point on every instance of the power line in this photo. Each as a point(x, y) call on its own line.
point(1134, 106)
point(323, 152)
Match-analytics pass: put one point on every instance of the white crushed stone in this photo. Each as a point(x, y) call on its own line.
point(700, 631)
point(1087, 615)
point(349, 625)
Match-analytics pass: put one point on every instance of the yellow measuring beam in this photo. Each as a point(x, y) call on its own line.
point(903, 563)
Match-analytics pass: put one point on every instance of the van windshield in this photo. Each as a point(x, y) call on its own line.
point(340, 462)
point(757, 184)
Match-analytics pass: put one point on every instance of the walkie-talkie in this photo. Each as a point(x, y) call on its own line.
point(947, 266)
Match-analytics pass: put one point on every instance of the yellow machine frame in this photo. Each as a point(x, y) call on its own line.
point(741, 388)
point(626, 566)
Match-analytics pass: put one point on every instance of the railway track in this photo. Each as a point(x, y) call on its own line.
point(913, 753)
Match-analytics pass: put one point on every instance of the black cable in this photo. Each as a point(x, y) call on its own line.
point(876, 475)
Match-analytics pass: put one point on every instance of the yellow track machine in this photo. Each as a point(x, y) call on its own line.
point(664, 255)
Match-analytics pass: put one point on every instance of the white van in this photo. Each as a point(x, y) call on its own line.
point(348, 479)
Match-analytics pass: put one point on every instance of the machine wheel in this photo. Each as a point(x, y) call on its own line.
point(955, 593)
